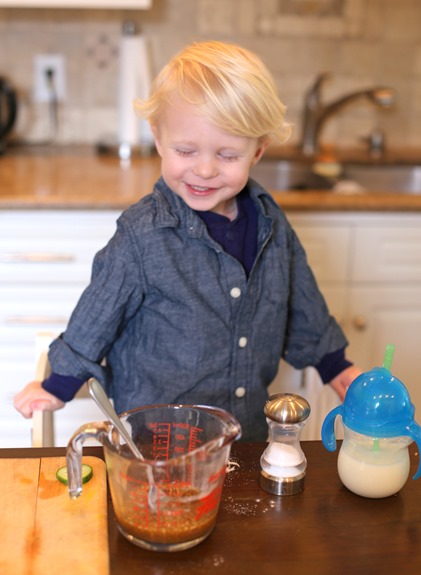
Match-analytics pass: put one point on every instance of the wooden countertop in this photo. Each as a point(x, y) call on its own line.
point(74, 181)
point(81, 179)
point(324, 530)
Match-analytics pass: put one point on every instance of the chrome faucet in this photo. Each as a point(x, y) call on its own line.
point(316, 113)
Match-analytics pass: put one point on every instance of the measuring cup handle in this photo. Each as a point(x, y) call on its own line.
point(328, 429)
point(101, 432)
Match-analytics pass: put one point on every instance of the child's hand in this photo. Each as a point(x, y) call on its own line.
point(343, 380)
point(33, 397)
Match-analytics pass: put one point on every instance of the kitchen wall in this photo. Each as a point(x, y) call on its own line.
point(362, 42)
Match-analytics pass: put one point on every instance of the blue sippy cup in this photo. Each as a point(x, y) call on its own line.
point(378, 422)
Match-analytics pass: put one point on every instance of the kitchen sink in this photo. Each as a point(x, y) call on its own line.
point(289, 175)
point(388, 178)
point(299, 175)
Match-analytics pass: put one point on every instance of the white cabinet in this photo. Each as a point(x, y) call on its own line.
point(45, 263)
point(369, 268)
point(103, 4)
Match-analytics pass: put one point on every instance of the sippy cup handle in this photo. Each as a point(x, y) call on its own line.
point(414, 432)
point(328, 429)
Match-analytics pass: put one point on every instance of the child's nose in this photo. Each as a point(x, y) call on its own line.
point(205, 168)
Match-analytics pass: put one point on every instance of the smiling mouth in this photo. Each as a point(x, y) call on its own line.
point(200, 190)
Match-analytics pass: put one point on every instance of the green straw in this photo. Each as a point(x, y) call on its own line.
point(387, 363)
point(388, 356)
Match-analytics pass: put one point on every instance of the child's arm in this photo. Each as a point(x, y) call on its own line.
point(343, 380)
point(33, 397)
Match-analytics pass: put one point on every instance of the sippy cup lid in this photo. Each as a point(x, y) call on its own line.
point(378, 404)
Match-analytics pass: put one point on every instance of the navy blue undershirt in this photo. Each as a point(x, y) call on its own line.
point(239, 239)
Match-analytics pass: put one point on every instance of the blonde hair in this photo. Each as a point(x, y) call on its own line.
point(229, 83)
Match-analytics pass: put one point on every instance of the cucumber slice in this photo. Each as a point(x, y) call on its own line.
point(87, 473)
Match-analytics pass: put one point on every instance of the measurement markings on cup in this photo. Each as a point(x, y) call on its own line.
point(176, 438)
point(161, 440)
point(195, 440)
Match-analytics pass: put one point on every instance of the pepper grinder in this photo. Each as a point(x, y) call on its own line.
point(283, 463)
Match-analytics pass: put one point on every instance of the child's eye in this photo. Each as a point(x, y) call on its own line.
point(183, 153)
point(229, 158)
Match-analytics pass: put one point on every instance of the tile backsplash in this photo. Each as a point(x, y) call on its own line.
point(361, 42)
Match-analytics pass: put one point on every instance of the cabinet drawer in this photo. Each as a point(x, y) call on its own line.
point(56, 262)
point(51, 246)
point(388, 253)
point(25, 311)
point(49, 224)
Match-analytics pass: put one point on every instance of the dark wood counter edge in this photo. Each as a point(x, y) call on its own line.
point(52, 206)
point(356, 155)
point(321, 201)
point(308, 201)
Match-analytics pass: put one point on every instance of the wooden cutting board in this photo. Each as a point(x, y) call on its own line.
point(43, 531)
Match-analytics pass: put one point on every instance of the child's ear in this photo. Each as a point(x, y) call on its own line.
point(155, 133)
point(263, 144)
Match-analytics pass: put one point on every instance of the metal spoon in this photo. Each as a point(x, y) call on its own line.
point(101, 399)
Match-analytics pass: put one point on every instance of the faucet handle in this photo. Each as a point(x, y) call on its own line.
point(376, 141)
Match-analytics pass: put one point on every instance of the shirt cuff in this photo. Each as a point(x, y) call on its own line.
point(64, 387)
point(332, 364)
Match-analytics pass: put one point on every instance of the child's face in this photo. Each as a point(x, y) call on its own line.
point(203, 165)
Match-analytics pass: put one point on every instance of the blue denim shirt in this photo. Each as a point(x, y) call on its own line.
point(178, 321)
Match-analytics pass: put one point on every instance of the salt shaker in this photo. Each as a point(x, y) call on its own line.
point(283, 463)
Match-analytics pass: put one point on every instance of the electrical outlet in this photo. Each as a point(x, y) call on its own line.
point(43, 90)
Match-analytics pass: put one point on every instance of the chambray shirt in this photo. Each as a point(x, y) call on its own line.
point(179, 321)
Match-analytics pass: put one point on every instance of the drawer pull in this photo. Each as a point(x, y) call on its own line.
point(36, 258)
point(36, 320)
point(360, 323)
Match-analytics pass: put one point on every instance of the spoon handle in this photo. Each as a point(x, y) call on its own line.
point(101, 399)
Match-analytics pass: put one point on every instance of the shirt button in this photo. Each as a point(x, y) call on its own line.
point(242, 342)
point(240, 392)
point(235, 292)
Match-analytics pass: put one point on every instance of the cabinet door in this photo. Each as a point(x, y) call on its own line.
point(388, 253)
point(387, 315)
point(327, 248)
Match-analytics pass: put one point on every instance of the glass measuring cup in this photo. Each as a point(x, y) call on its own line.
point(186, 450)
